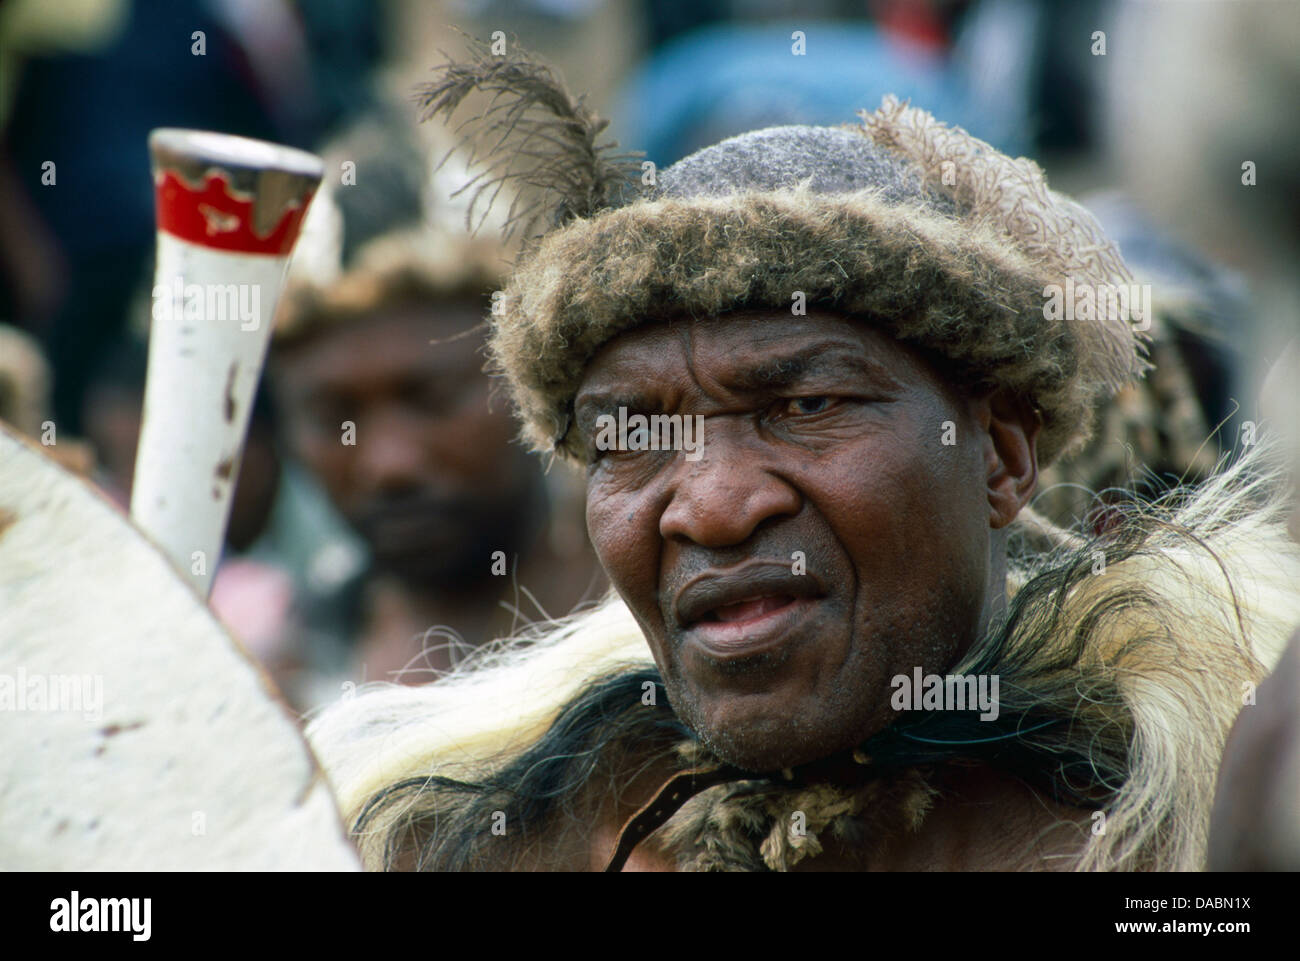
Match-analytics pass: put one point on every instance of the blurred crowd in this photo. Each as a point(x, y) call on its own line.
point(389, 559)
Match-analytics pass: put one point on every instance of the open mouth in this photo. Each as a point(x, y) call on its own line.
point(748, 628)
point(751, 609)
point(744, 610)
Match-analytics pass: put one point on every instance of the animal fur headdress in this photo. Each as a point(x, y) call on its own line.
point(391, 237)
point(917, 226)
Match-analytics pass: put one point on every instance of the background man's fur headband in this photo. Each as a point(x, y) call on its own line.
point(925, 230)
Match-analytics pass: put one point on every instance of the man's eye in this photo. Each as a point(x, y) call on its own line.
point(807, 405)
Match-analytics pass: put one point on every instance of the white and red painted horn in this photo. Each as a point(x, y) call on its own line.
point(229, 210)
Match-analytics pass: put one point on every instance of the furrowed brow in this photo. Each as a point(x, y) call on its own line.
point(823, 361)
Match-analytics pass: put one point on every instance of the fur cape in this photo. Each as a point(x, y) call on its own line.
point(1123, 663)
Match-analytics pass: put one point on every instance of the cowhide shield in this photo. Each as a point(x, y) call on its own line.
point(135, 734)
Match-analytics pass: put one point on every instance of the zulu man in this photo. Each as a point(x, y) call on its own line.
point(856, 315)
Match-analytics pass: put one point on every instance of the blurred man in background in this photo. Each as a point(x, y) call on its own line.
point(378, 369)
point(387, 404)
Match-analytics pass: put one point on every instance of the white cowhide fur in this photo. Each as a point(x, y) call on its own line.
point(189, 762)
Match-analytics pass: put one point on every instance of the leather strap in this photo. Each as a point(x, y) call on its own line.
point(668, 800)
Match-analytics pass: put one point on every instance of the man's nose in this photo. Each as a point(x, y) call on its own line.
point(720, 499)
point(390, 453)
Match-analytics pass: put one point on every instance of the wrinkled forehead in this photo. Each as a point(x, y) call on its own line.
point(395, 341)
point(752, 350)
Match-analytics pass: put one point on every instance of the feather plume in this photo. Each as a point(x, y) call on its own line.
point(533, 137)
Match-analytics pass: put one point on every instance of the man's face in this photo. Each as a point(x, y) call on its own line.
point(823, 452)
point(430, 479)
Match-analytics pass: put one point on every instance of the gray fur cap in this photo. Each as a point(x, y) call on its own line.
point(912, 225)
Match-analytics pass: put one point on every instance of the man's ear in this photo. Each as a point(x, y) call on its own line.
point(1010, 453)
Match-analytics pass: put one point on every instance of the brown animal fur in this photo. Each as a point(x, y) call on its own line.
point(969, 286)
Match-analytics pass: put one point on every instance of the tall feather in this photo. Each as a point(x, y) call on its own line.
point(533, 136)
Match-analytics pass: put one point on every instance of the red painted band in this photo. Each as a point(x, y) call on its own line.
point(211, 217)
